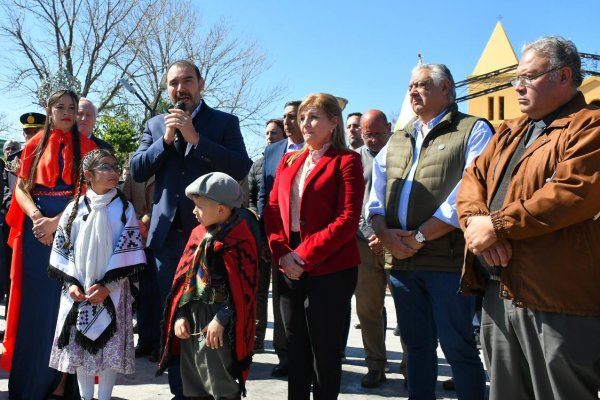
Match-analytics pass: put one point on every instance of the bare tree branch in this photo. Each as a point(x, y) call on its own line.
point(101, 42)
point(4, 125)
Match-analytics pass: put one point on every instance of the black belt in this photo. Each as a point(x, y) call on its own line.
point(295, 239)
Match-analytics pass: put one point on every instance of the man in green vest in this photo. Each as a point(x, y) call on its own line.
point(413, 212)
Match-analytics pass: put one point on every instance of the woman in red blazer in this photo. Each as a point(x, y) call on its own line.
point(311, 222)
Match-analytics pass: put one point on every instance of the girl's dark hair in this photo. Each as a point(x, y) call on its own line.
point(91, 161)
point(30, 182)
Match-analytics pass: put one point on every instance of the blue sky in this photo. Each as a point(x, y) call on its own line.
point(364, 51)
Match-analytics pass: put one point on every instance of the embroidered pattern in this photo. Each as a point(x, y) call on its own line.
point(130, 240)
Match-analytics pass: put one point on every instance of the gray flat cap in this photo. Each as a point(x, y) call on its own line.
point(218, 187)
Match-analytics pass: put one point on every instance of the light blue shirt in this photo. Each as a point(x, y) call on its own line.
point(446, 212)
point(291, 146)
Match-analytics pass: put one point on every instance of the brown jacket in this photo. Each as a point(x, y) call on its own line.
point(548, 213)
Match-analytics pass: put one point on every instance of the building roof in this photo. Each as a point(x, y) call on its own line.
point(498, 53)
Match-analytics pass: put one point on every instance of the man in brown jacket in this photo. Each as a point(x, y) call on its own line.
point(529, 208)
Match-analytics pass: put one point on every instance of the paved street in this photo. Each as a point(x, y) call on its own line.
point(261, 386)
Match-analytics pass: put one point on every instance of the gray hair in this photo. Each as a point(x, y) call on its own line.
point(10, 143)
point(560, 52)
point(439, 73)
point(93, 105)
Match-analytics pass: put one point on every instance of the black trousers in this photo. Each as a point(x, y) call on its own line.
point(280, 341)
point(314, 312)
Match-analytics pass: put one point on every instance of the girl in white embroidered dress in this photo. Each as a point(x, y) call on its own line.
point(97, 248)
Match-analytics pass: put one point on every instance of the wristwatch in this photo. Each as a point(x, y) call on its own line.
point(419, 237)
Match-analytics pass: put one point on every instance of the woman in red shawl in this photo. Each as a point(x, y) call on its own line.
point(47, 178)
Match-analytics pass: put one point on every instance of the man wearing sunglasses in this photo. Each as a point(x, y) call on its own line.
point(529, 208)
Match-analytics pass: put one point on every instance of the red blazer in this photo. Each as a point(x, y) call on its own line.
point(329, 212)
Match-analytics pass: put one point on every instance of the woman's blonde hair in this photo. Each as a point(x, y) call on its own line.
point(331, 107)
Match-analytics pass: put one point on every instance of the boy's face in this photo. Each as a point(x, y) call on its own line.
point(208, 212)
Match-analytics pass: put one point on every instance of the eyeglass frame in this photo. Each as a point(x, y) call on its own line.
point(527, 81)
point(105, 167)
point(373, 135)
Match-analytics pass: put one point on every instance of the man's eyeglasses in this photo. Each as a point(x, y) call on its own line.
point(11, 149)
point(527, 81)
point(373, 135)
point(108, 168)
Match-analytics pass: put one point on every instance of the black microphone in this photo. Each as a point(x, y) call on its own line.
point(180, 105)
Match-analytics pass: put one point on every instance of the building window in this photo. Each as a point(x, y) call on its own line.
point(501, 108)
point(490, 108)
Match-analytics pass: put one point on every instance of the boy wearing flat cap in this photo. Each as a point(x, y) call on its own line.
point(211, 311)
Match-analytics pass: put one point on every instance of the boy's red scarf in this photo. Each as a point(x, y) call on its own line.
point(240, 257)
point(47, 173)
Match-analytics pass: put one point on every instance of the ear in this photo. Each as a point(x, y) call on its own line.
point(201, 83)
point(566, 75)
point(446, 86)
point(88, 175)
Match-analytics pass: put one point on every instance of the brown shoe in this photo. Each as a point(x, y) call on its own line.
point(372, 379)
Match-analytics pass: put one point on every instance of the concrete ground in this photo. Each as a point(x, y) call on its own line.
point(144, 386)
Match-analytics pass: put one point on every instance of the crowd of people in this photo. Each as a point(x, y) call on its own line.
point(470, 228)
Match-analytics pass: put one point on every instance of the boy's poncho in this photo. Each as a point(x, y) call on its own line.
point(236, 244)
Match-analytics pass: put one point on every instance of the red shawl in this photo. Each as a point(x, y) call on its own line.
point(47, 173)
point(47, 169)
point(238, 249)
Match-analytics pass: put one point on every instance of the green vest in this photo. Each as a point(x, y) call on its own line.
point(440, 167)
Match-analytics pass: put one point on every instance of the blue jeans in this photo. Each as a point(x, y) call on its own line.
point(167, 257)
point(428, 307)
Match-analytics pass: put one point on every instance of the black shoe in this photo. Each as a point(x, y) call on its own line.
point(356, 326)
point(142, 351)
point(372, 379)
point(154, 356)
point(259, 348)
point(405, 375)
point(280, 370)
point(396, 331)
point(449, 385)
